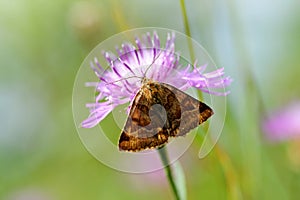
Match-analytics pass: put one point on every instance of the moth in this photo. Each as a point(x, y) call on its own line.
point(160, 111)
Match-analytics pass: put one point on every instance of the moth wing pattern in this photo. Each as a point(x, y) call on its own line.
point(193, 111)
point(160, 111)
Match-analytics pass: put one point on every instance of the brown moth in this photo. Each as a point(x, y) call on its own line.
point(160, 111)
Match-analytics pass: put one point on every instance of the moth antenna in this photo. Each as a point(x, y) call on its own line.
point(123, 79)
point(108, 67)
point(156, 57)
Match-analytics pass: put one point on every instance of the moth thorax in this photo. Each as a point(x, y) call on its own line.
point(147, 92)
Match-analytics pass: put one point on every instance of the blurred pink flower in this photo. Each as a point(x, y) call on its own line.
point(283, 124)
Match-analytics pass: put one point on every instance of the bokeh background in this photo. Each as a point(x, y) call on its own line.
point(42, 45)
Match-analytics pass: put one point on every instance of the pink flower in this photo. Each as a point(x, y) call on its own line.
point(120, 83)
point(284, 124)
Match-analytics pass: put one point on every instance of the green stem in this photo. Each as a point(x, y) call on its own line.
point(188, 33)
point(168, 170)
point(187, 29)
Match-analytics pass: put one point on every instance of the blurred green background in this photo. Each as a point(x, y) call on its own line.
point(42, 44)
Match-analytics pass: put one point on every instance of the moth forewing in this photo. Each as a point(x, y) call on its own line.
point(145, 131)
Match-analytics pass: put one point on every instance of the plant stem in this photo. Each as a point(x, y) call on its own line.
point(168, 170)
point(187, 29)
point(188, 33)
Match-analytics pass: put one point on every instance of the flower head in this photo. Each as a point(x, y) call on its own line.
point(283, 124)
point(146, 59)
